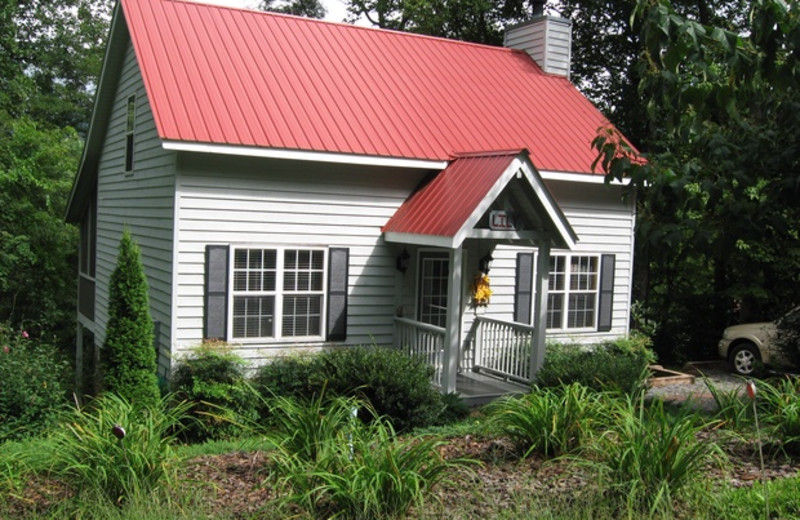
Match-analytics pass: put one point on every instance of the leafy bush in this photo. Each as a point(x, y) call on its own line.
point(788, 338)
point(648, 456)
point(619, 364)
point(288, 376)
point(213, 380)
point(129, 367)
point(337, 467)
point(396, 386)
point(551, 421)
point(33, 384)
point(93, 455)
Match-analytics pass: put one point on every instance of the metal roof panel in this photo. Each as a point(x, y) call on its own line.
point(237, 77)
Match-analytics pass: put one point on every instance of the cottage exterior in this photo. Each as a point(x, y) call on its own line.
point(297, 185)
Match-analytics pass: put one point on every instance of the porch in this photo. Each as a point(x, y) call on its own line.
point(497, 358)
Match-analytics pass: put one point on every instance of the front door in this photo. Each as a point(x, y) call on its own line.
point(434, 274)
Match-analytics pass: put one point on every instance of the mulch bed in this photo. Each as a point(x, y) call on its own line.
point(237, 483)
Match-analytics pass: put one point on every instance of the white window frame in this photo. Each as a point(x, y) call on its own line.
point(437, 254)
point(567, 291)
point(279, 293)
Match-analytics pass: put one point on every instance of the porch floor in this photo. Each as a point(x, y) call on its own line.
point(476, 389)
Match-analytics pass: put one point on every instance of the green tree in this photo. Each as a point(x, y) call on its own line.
point(129, 357)
point(718, 230)
point(37, 248)
point(307, 8)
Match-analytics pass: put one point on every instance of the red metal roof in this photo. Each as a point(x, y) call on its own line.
point(443, 205)
point(236, 77)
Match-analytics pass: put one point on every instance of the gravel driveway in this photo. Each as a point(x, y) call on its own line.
point(697, 393)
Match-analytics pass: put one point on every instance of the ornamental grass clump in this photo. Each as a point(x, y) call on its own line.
point(333, 465)
point(550, 421)
point(648, 456)
point(779, 408)
point(117, 450)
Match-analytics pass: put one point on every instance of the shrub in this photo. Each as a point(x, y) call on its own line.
point(788, 338)
point(619, 364)
point(213, 380)
point(288, 376)
point(128, 353)
point(337, 467)
point(33, 384)
point(396, 385)
point(648, 457)
point(551, 421)
point(92, 455)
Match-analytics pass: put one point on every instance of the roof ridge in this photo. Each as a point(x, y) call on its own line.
point(347, 25)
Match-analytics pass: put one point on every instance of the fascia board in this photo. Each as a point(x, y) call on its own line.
point(303, 155)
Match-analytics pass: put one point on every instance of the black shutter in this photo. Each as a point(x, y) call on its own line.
point(523, 288)
point(606, 304)
point(338, 263)
point(215, 316)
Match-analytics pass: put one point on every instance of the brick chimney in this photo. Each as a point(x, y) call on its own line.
point(546, 39)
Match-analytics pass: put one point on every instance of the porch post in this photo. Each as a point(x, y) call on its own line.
point(452, 337)
point(540, 308)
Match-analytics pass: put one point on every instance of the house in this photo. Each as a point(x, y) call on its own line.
point(296, 185)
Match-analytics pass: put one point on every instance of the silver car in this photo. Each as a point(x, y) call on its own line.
point(748, 346)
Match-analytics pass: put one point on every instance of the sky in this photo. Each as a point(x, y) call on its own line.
point(336, 8)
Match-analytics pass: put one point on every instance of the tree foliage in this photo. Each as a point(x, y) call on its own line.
point(129, 357)
point(719, 222)
point(50, 55)
point(37, 248)
point(307, 8)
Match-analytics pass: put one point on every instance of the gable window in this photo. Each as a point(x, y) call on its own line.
point(278, 292)
point(130, 125)
point(433, 281)
point(573, 290)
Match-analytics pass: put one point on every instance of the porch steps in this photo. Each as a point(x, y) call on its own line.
point(477, 389)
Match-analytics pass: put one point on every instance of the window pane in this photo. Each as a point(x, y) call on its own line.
point(302, 315)
point(269, 281)
point(240, 259)
point(581, 311)
point(255, 259)
point(254, 281)
point(555, 311)
point(290, 259)
point(253, 317)
point(433, 290)
point(316, 281)
point(289, 281)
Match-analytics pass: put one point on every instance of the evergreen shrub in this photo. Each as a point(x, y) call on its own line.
point(129, 357)
point(620, 364)
point(397, 386)
point(33, 383)
point(213, 379)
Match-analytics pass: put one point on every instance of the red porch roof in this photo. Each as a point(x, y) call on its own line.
point(445, 210)
point(236, 77)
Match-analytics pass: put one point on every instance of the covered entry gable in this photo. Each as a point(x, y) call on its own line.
point(461, 201)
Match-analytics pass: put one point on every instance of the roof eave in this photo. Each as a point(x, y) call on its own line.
point(101, 110)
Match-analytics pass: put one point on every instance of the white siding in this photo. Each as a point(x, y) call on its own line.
point(141, 200)
point(604, 224)
point(226, 200)
point(546, 39)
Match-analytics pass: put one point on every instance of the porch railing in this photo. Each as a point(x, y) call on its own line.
point(424, 340)
point(501, 348)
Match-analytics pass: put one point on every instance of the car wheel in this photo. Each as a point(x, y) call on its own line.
point(745, 359)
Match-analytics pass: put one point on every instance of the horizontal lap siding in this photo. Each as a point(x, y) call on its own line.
point(142, 201)
point(604, 224)
point(283, 203)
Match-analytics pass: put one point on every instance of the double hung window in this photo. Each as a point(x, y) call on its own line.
point(278, 292)
point(573, 290)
